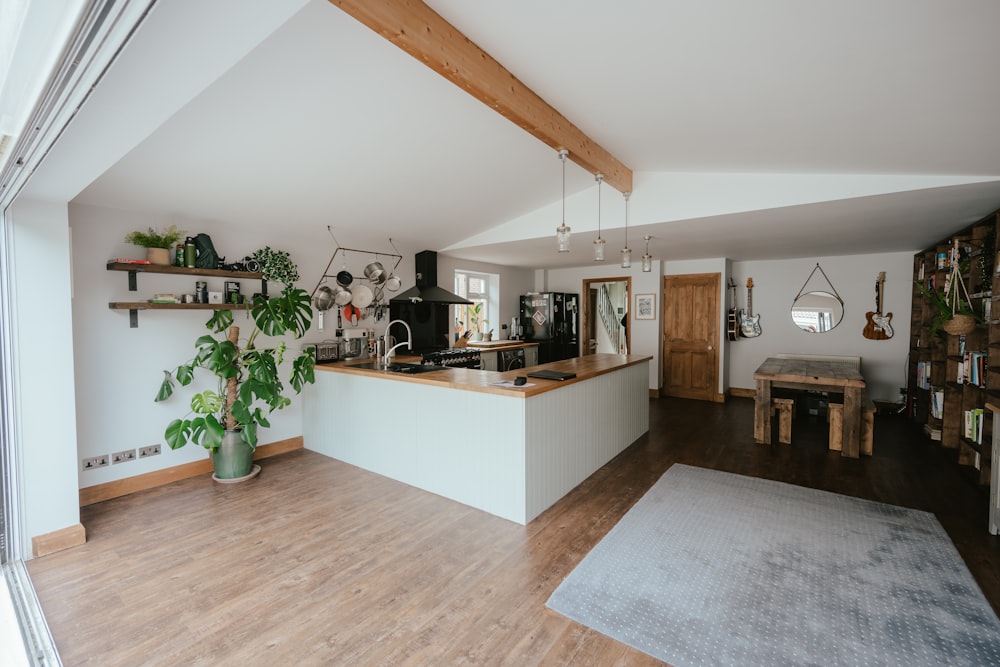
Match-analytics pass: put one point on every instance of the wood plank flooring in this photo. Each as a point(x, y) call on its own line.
point(319, 563)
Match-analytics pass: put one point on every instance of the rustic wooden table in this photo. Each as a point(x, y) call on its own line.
point(820, 375)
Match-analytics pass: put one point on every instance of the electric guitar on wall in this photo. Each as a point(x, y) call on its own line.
point(733, 325)
point(878, 326)
point(749, 323)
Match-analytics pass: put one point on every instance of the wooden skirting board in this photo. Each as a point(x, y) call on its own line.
point(57, 540)
point(739, 392)
point(149, 480)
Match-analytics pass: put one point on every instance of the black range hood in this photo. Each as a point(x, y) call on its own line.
point(426, 289)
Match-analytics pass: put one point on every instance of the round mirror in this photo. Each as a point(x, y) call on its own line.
point(817, 312)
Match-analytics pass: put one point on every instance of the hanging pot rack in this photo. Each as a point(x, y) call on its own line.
point(376, 308)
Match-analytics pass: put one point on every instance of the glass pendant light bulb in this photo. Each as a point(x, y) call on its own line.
point(599, 250)
point(562, 231)
point(647, 259)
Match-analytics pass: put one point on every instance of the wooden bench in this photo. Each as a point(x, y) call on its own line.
point(836, 417)
point(785, 407)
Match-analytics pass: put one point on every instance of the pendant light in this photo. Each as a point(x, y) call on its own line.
point(599, 242)
point(647, 259)
point(626, 251)
point(562, 231)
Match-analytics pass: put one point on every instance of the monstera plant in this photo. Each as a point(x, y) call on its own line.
point(246, 386)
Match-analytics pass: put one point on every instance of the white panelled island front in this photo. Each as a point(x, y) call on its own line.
point(510, 451)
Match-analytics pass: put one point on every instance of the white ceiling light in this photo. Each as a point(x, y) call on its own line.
point(626, 251)
point(647, 259)
point(562, 231)
point(599, 242)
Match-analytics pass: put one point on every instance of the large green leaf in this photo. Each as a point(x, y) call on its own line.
point(290, 312)
point(220, 320)
point(166, 388)
point(303, 371)
point(214, 431)
point(206, 403)
point(178, 433)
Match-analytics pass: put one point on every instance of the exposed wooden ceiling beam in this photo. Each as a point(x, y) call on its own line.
point(424, 34)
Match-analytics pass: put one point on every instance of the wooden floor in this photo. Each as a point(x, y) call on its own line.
point(319, 563)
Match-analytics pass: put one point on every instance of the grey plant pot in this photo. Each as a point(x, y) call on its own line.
point(233, 458)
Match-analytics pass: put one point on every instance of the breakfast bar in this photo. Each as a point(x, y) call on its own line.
point(472, 436)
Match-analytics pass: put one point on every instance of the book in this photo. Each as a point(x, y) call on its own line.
point(125, 260)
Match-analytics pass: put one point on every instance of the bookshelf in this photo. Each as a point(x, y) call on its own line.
point(952, 377)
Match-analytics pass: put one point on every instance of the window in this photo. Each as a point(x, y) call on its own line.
point(481, 289)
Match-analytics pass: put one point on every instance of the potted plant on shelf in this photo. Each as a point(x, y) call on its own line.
point(954, 315)
point(157, 243)
point(226, 417)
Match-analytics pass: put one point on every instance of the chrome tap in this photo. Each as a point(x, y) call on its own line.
point(408, 343)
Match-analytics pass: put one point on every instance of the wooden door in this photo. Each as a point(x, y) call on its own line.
point(691, 336)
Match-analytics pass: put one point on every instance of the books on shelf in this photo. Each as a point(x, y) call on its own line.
point(924, 374)
point(125, 260)
point(972, 369)
point(937, 402)
point(933, 432)
point(974, 425)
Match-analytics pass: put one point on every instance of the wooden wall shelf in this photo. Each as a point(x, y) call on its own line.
point(133, 307)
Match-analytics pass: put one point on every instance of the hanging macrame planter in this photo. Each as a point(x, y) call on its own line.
point(960, 322)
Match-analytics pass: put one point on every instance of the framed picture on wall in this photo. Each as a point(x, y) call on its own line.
point(645, 307)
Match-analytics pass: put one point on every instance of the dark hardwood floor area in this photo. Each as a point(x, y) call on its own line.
point(316, 562)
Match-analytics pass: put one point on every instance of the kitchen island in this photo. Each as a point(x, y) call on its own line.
point(508, 450)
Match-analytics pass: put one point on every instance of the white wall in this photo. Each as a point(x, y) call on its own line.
point(44, 400)
point(645, 333)
point(513, 283)
point(776, 283)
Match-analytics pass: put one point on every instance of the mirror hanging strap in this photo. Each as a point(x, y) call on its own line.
point(811, 274)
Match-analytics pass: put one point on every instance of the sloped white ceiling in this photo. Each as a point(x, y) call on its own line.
point(755, 130)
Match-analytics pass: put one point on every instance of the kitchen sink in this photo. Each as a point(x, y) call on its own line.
point(409, 369)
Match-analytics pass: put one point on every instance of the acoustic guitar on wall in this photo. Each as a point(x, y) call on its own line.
point(878, 326)
point(749, 323)
point(733, 323)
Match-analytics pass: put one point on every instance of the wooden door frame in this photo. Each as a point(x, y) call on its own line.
point(585, 315)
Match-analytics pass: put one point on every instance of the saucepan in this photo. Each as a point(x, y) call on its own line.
point(392, 283)
point(341, 295)
point(375, 272)
point(324, 298)
point(344, 278)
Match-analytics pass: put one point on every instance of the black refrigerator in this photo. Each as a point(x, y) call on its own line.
point(552, 319)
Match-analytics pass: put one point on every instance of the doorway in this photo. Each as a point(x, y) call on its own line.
point(606, 317)
point(691, 336)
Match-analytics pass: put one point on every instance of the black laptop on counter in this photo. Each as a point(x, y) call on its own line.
point(551, 375)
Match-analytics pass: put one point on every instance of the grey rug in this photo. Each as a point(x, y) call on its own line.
point(712, 568)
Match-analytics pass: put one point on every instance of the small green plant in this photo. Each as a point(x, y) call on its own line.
point(277, 265)
point(152, 238)
point(474, 312)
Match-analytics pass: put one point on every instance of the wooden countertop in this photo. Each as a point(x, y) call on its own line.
point(471, 379)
